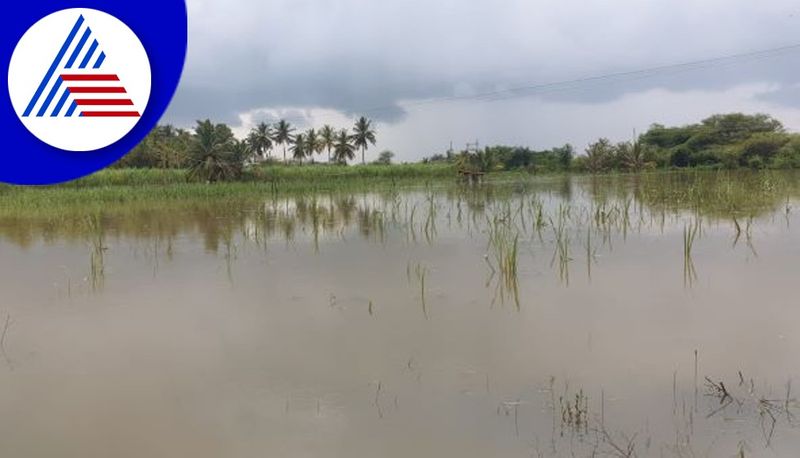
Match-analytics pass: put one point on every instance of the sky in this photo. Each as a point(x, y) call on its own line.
point(515, 72)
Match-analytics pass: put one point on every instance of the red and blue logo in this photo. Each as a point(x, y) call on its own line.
point(85, 85)
point(84, 82)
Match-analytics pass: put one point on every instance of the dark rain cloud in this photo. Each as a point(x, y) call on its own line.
point(368, 56)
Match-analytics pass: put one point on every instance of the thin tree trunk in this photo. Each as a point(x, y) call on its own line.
point(284, 153)
point(363, 151)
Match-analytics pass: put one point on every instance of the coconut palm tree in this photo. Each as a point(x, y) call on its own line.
point(327, 138)
point(343, 149)
point(299, 148)
point(634, 157)
point(282, 135)
point(260, 139)
point(598, 155)
point(214, 153)
point(313, 144)
point(363, 136)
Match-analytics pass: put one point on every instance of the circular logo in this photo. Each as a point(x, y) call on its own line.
point(87, 81)
point(79, 79)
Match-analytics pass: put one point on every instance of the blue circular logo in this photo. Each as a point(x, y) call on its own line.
point(86, 82)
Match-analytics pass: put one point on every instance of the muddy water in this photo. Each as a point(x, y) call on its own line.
point(384, 323)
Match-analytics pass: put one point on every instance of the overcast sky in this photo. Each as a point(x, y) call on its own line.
point(417, 66)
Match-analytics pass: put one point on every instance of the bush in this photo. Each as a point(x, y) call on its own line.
point(755, 162)
point(763, 146)
point(680, 156)
point(385, 157)
point(788, 156)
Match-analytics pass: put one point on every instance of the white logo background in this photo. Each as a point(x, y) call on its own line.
point(33, 56)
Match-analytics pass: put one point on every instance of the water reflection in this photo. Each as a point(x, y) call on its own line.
point(551, 317)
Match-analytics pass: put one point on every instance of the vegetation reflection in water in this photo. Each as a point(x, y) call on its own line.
point(560, 214)
point(570, 225)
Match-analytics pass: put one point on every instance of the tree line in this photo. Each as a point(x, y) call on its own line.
point(726, 141)
point(211, 152)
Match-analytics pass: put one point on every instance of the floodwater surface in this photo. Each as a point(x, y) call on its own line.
point(626, 316)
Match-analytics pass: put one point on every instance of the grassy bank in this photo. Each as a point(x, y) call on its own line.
point(142, 188)
point(128, 186)
point(274, 174)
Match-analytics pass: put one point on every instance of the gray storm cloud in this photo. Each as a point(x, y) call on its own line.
point(351, 56)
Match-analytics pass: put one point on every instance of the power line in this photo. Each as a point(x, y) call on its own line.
point(526, 90)
point(646, 72)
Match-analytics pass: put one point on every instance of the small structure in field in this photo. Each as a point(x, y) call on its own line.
point(471, 177)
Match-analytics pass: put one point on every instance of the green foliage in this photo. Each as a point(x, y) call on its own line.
point(282, 135)
point(725, 141)
point(299, 148)
point(343, 149)
point(497, 158)
point(363, 136)
point(385, 157)
point(313, 143)
point(215, 154)
point(788, 156)
point(164, 147)
point(720, 141)
point(327, 138)
point(600, 156)
point(260, 140)
point(632, 156)
point(564, 156)
point(763, 146)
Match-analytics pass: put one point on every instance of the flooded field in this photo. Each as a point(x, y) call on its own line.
point(622, 316)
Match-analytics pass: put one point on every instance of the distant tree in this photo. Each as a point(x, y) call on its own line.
point(437, 158)
point(214, 153)
point(328, 138)
point(565, 155)
point(789, 155)
point(283, 135)
point(260, 140)
point(717, 140)
point(170, 146)
point(681, 156)
point(164, 147)
point(363, 136)
point(385, 157)
point(735, 127)
point(479, 161)
point(598, 155)
point(667, 137)
point(299, 147)
point(344, 150)
point(631, 155)
point(763, 146)
point(486, 161)
point(313, 143)
point(514, 158)
point(241, 152)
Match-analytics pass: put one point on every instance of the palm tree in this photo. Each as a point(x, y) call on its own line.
point(635, 156)
point(283, 135)
point(214, 153)
point(313, 144)
point(343, 149)
point(327, 138)
point(299, 147)
point(598, 155)
point(260, 139)
point(241, 152)
point(363, 135)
